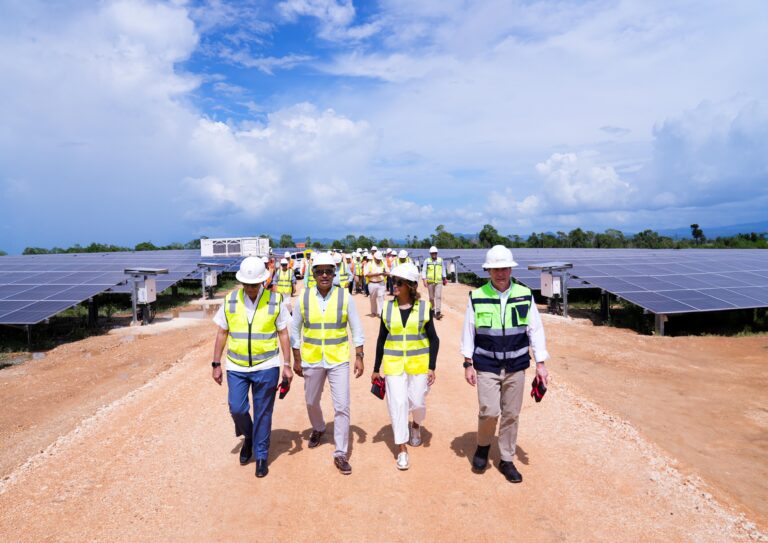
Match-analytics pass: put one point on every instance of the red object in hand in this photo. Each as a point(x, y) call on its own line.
point(379, 388)
point(538, 389)
point(285, 386)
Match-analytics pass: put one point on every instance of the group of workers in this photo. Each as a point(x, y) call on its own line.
point(259, 321)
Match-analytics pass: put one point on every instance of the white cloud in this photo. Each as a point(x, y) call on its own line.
point(267, 65)
point(335, 18)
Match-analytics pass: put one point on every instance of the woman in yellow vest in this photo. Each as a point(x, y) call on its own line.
point(406, 354)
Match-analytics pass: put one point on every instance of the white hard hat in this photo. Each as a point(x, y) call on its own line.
point(323, 259)
point(264, 259)
point(366, 254)
point(252, 271)
point(377, 254)
point(433, 249)
point(284, 261)
point(402, 254)
point(359, 250)
point(407, 271)
point(389, 251)
point(336, 258)
point(287, 254)
point(498, 256)
point(347, 255)
point(374, 249)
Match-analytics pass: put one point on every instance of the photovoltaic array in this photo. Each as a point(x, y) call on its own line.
point(36, 287)
point(660, 280)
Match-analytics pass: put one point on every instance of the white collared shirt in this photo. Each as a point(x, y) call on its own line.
point(283, 319)
point(535, 329)
point(353, 319)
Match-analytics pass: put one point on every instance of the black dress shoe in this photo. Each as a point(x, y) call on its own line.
point(480, 460)
point(314, 439)
point(261, 468)
point(343, 466)
point(246, 451)
point(510, 472)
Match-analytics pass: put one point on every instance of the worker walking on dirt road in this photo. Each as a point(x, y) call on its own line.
point(321, 350)
point(433, 275)
point(500, 325)
point(251, 322)
point(406, 353)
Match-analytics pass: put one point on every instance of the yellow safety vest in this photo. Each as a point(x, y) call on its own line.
point(283, 283)
point(407, 260)
point(434, 270)
point(252, 343)
point(311, 281)
point(325, 334)
point(407, 346)
point(343, 275)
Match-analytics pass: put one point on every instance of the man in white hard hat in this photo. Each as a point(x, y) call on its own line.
point(434, 278)
point(359, 279)
point(376, 274)
point(321, 350)
point(252, 321)
point(284, 281)
point(500, 326)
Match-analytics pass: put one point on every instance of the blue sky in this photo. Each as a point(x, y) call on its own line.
point(133, 120)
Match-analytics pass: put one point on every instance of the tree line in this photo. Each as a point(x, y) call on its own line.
point(487, 237)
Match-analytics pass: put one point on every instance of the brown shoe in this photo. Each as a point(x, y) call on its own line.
point(342, 464)
point(314, 439)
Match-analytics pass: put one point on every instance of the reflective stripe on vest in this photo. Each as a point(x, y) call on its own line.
point(406, 348)
point(501, 343)
point(311, 282)
point(325, 334)
point(435, 270)
point(251, 343)
point(284, 281)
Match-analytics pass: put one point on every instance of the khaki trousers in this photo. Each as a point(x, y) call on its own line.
point(500, 395)
point(376, 294)
point(435, 291)
point(314, 382)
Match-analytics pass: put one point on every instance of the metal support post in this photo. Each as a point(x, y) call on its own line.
point(660, 320)
point(564, 292)
point(29, 337)
point(605, 313)
point(93, 313)
point(134, 298)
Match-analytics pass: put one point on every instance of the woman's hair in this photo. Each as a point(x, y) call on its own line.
point(413, 287)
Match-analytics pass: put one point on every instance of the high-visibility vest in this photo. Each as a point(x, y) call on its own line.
point(407, 346)
point(284, 283)
point(358, 266)
point(311, 281)
point(325, 334)
point(434, 270)
point(497, 344)
point(343, 275)
point(400, 261)
point(252, 343)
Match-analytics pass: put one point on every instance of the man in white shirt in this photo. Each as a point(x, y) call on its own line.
point(321, 350)
point(251, 324)
point(501, 325)
point(434, 278)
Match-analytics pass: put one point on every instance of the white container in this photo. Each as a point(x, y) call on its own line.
point(211, 278)
point(146, 291)
point(550, 285)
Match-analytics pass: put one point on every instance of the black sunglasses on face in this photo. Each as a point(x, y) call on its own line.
point(400, 282)
point(325, 272)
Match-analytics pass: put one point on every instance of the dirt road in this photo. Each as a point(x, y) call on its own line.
point(638, 439)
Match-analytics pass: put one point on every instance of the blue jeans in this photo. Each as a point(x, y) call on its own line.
point(264, 388)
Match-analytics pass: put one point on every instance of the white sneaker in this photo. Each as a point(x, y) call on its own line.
point(402, 461)
point(415, 436)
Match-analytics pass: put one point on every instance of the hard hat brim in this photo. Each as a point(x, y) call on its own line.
point(503, 264)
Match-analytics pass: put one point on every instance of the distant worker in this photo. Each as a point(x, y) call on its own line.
point(350, 265)
point(321, 350)
point(390, 261)
point(343, 274)
point(406, 353)
point(359, 271)
point(251, 322)
point(403, 258)
point(376, 273)
point(284, 282)
point(364, 265)
point(500, 325)
point(289, 258)
point(433, 275)
point(309, 278)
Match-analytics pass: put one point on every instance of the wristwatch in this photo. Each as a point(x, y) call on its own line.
point(467, 364)
point(215, 364)
point(360, 354)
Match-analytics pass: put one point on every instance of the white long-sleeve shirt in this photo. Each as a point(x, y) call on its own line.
point(353, 319)
point(535, 329)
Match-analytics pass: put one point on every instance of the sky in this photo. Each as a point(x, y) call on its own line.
point(132, 120)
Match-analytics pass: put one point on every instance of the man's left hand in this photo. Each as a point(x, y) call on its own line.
point(541, 371)
point(359, 367)
point(445, 282)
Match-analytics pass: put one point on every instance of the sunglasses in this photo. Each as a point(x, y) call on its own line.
point(325, 272)
point(400, 282)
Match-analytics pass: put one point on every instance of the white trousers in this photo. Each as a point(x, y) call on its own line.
point(314, 382)
point(406, 393)
point(376, 291)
